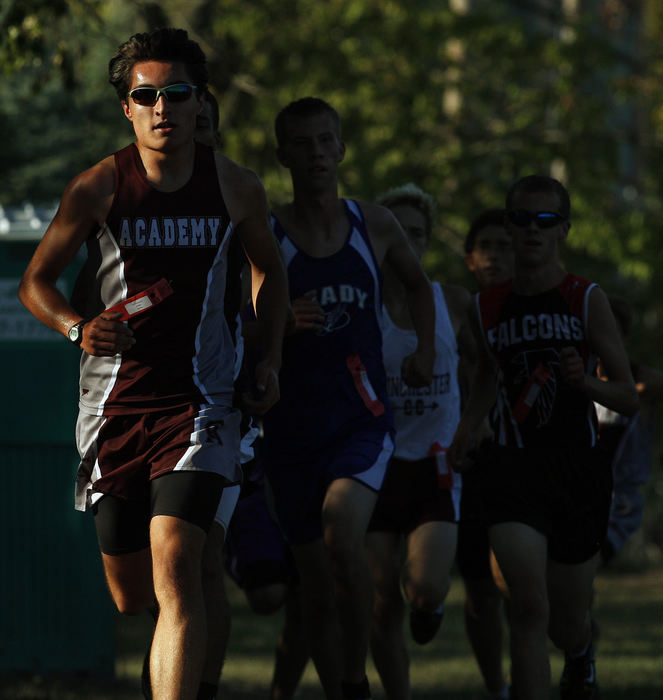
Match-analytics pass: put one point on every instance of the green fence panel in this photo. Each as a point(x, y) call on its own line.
point(56, 614)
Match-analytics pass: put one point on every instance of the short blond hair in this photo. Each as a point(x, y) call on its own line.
point(413, 196)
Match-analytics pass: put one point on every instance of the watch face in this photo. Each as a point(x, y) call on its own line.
point(74, 333)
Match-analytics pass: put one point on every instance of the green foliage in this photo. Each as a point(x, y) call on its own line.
point(47, 39)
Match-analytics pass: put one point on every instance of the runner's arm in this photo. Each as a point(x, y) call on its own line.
point(619, 392)
point(249, 211)
point(81, 213)
point(482, 396)
point(417, 368)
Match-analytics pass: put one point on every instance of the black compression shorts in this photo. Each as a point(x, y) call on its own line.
point(124, 526)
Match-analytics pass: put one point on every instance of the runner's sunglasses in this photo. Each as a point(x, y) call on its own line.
point(148, 96)
point(543, 219)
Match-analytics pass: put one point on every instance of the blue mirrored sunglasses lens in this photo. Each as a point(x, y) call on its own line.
point(543, 219)
point(546, 219)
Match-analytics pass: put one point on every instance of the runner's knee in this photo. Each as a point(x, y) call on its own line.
point(426, 595)
point(129, 578)
point(133, 603)
point(529, 607)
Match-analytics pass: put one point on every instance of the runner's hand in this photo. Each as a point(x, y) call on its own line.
point(104, 336)
point(417, 369)
point(308, 314)
point(572, 367)
point(266, 392)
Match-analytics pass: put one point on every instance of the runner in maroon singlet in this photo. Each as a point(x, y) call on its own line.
point(157, 430)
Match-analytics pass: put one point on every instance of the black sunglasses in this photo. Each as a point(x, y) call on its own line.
point(148, 96)
point(543, 219)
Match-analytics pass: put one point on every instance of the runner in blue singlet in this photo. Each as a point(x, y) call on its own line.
point(328, 442)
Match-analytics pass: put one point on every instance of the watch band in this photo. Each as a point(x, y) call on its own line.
point(75, 333)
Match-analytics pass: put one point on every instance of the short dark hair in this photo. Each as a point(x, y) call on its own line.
point(165, 44)
point(488, 217)
point(214, 106)
point(413, 196)
point(304, 107)
point(541, 183)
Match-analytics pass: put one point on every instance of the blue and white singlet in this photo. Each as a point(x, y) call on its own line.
point(332, 381)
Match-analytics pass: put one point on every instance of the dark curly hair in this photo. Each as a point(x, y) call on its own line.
point(165, 44)
point(488, 217)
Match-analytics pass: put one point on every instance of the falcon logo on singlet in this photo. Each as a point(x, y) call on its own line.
point(530, 327)
point(335, 300)
point(170, 232)
point(523, 365)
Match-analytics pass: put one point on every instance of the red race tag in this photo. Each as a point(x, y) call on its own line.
point(143, 300)
point(445, 479)
point(363, 385)
point(529, 394)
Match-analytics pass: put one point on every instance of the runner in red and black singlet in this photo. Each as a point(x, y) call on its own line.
point(545, 488)
point(489, 256)
point(526, 333)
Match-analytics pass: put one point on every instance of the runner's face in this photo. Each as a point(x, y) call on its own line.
point(534, 246)
point(413, 223)
point(166, 125)
point(312, 150)
point(491, 259)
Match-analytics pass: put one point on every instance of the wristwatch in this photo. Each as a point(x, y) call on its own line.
point(76, 333)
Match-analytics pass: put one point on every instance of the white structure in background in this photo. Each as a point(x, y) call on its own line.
point(20, 229)
point(27, 222)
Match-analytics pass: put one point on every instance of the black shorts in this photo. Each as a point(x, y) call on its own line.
point(410, 496)
point(473, 549)
point(561, 491)
point(123, 526)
